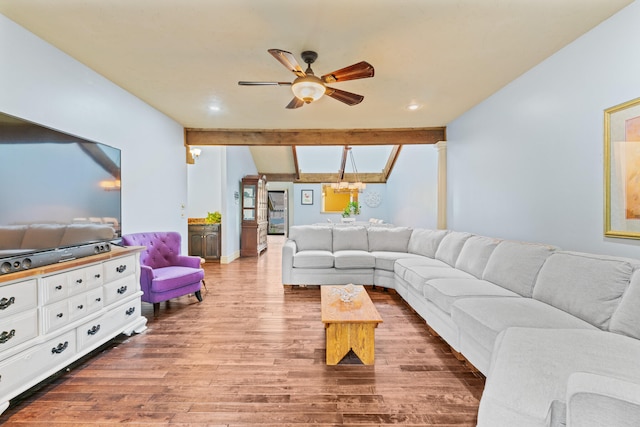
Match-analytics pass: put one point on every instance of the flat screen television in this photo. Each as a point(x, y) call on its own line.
point(57, 190)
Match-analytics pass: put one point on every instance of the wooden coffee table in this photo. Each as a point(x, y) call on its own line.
point(349, 325)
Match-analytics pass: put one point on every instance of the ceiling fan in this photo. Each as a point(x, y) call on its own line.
point(308, 88)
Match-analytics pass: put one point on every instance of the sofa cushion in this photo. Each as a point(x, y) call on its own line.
point(418, 276)
point(530, 370)
point(311, 237)
point(403, 264)
point(485, 318)
point(626, 318)
point(11, 236)
point(393, 239)
point(43, 236)
point(444, 292)
point(425, 242)
point(450, 247)
point(386, 260)
point(354, 259)
point(350, 238)
point(515, 265)
point(585, 285)
point(475, 253)
point(313, 259)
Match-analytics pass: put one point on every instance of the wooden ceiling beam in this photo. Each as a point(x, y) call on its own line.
point(290, 137)
point(395, 152)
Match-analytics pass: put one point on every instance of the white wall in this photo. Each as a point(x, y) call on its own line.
point(44, 85)
point(238, 163)
point(527, 163)
point(412, 189)
point(204, 182)
point(312, 214)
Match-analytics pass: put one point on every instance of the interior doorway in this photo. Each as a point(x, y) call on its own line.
point(277, 213)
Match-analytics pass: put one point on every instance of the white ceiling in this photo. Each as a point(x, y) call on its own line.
point(183, 56)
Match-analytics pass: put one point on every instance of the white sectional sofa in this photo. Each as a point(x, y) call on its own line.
point(556, 333)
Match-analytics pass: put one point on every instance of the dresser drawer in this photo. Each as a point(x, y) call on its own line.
point(120, 289)
point(54, 288)
point(17, 329)
point(32, 363)
point(100, 329)
point(18, 297)
point(121, 267)
point(84, 304)
point(94, 276)
point(55, 316)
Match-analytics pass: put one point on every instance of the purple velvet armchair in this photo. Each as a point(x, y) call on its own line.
point(165, 274)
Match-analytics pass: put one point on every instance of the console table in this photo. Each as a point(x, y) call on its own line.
point(53, 315)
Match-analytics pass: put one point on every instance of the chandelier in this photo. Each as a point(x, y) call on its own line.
point(341, 185)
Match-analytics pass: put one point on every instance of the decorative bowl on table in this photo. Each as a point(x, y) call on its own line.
point(347, 293)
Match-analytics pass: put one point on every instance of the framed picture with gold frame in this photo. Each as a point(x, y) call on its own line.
point(622, 170)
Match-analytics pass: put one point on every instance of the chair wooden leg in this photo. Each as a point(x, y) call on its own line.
point(156, 309)
point(199, 296)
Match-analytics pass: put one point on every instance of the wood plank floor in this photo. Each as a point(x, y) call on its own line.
point(252, 353)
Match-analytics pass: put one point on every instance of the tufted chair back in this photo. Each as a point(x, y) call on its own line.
point(163, 248)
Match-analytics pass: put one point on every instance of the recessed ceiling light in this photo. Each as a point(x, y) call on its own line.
point(214, 107)
point(413, 106)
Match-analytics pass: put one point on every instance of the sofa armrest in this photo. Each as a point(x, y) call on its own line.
point(288, 251)
point(146, 277)
point(188, 261)
point(597, 400)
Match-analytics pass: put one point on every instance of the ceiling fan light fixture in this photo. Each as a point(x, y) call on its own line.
point(308, 88)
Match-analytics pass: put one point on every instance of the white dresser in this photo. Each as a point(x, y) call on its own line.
point(53, 315)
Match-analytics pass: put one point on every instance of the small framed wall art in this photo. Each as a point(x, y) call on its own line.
point(622, 170)
point(307, 197)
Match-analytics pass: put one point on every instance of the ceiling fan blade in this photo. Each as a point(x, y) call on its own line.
point(361, 70)
point(288, 60)
point(243, 83)
point(344, 96)
point(295, 103)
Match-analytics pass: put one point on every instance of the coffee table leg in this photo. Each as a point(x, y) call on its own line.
point(363, 341)
point(337, 342)
point(342, 337)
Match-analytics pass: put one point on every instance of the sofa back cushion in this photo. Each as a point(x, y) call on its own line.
point(393, 239)
point(425, 242)
point(350, 238)
point(515, 265)
point(312, 237)
point(11, 236)
point(626, 318)
point(450, 247)
point(475, 254)
point(587, 286)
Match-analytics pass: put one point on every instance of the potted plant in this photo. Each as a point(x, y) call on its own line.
point(352, 208)
point(213, 218)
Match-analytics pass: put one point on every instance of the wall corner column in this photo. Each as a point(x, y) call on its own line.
point(441, 146)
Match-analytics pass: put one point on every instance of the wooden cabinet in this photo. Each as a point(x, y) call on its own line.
point(253, 238)
point(205, 240)
point(53, 315)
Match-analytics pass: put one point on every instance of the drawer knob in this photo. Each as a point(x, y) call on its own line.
point(121, 268)
point(122, 290)
point(6, 336)
point(60, 348)
point(130, 311)
point(80, 307)
point(98, 299)
point(79, 281)
point(5, 303)
point(93, 330)
point(97, 276)
point(59, 315)
point(59, 287)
